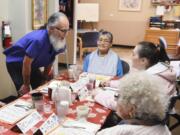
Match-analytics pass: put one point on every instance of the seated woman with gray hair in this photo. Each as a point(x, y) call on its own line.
point(103, 60)
point(142, 105)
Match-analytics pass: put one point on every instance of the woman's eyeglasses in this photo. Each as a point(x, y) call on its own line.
point(106, 42)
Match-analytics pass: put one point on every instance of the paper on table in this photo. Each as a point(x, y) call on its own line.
point(110, 88)
point(28, 122)
point(98, 77)
point(51, 123)
point(79, 84)
point(176, 67)
point(70, 131)
point(15, 111)
point(90, 127)
point(160, 67)
point(73, 127)
point(83, 93)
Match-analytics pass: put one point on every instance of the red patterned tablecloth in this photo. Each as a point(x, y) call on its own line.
point(97, 114)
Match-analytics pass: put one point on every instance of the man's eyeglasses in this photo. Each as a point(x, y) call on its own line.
point(62, 30)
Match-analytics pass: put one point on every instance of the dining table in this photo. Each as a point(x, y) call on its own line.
point(97, 115)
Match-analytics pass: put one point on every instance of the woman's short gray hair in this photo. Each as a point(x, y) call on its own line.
point(146, 93)
point(55, 18)
point(106, 33)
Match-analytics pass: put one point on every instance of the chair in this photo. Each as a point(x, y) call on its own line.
point(87, 42)
point(176, 56)
point(125, 67)
point(163, 42)
point(172, 112)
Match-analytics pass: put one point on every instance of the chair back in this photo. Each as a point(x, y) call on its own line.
point(125, 67)
point(89, 39)
point(173, 113)
point(163, 42)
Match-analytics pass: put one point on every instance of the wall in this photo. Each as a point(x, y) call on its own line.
point(128, 28)
point(20, 18)
point(21, 24)
point(71, 43)
point(6, 86)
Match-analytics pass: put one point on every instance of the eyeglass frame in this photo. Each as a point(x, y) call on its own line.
point(62, 30)
point(106, 42)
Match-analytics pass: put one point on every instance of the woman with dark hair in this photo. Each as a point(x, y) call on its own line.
point(151, 58)
point(147, 56)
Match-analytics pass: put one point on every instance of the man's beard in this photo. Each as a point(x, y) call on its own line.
point(57, 43)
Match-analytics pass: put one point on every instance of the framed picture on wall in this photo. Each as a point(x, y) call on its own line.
point(67, 7)
point(130, 5)
point(39, 13)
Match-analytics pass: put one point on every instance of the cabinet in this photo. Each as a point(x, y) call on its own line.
point(171, 36)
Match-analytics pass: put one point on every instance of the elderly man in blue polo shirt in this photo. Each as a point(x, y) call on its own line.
point(34, 50)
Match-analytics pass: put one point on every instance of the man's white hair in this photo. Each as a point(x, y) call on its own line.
point(146, 93)
point(55, 18)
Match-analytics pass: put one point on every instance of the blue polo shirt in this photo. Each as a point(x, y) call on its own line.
point(36, 45)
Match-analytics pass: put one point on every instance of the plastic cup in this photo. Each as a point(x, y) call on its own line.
point(37, 99)
point(82, 111)
point(62, 109)
point(47, 108)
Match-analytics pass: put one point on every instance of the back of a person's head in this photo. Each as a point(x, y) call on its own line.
point(106, 33)
point(153, 53)
point(145, 92)
point(55, 18)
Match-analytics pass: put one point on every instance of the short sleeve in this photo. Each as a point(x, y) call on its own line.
point(119, 68)
point(33, 49)
point(86, 64)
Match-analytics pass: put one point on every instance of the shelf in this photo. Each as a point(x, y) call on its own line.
point(161, 4)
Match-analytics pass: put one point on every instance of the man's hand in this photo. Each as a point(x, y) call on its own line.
point(104, 84)
point(48, 73)
point(23, 90)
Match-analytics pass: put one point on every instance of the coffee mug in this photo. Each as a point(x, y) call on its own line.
point(82, 111)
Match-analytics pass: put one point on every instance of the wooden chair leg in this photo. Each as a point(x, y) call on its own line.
point(80, 49)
